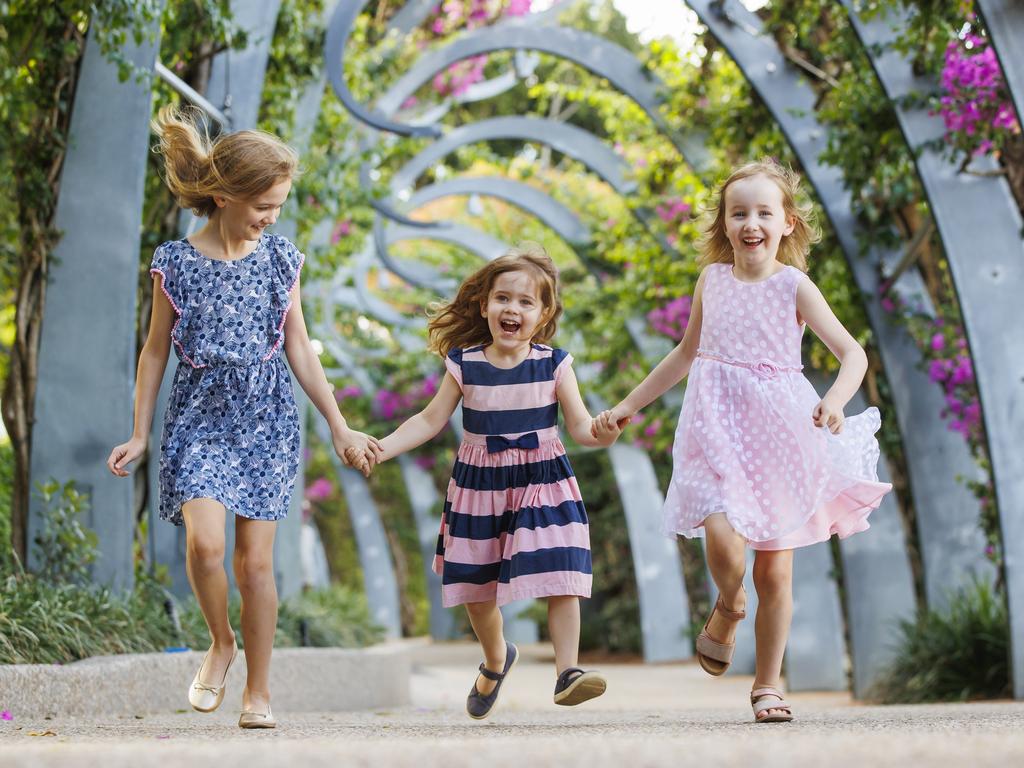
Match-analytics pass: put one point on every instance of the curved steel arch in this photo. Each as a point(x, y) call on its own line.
point(338, 31)
point(566, 138)
point(980, 226)
point(599, 56)
point(530, 199)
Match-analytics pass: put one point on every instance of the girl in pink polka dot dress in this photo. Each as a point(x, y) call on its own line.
point(759, 459)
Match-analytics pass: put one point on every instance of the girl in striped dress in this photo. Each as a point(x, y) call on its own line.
point(514, 524)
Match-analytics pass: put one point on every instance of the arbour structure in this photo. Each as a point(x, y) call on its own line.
point(947, 517)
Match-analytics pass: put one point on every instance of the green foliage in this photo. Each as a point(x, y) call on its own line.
point(958, 654)
point(64, 547)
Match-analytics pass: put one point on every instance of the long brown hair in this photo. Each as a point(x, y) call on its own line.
point(459, 324)
point(239, 165)
point(714, 245)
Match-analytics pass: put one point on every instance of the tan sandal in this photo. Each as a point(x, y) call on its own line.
point(715, 657)
point(760, 702)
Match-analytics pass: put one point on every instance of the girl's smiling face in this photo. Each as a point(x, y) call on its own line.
point(755, 220)
point(513, 310)
point(246, 219)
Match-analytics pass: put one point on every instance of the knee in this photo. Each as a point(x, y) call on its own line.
point(206, 554)
point(253, 571)
point(481, 610)
point(773, 580)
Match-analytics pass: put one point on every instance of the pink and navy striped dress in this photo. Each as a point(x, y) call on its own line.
point(514, 525)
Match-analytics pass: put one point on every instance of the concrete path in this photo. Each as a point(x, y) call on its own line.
point(666, 715)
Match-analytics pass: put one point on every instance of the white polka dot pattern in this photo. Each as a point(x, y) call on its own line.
point(746, 444)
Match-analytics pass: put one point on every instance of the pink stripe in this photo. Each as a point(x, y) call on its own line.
point(478, 356)
point(469, 502)
point(532, 539)
point(177, 311)
point(552, 584)
point(484, 551)
point(284, 315)
point(472, 551)
point(509, 397)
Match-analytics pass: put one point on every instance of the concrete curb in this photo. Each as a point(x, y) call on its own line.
point(301, 680)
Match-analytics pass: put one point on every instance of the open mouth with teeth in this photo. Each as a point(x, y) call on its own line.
point(752, 242)
point(510, 326)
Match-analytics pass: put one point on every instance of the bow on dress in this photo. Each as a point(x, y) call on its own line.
point(498, 443)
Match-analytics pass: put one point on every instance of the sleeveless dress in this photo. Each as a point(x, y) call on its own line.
point(514, 525)
point(746, 445)
point(231, 429)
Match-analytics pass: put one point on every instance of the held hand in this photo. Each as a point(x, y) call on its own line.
point(123, 455)
point(605, 429)
point(827, 414)
point(357, 450)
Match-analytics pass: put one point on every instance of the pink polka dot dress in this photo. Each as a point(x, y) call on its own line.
point(746, 445)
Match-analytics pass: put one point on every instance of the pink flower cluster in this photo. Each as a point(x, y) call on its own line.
point(976, 107)
point(341, 229)
point(390, 404)
point(319, 489)
point(347, 392)
point(673, 210)
point(453, 15)
point(672, 319)
point(949, 365)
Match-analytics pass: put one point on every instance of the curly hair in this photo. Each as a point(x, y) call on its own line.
point(714, 245)
point(459, 323)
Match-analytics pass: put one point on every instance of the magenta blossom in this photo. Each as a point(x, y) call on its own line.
point(319, 490)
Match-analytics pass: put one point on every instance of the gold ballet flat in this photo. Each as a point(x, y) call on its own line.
point(206, 698)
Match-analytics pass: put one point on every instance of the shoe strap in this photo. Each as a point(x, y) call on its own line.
point(495, 676)
point(733, 615)
point(563, 679)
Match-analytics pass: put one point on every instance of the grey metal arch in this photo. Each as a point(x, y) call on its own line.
point(247, 70)
point(934, 455)
point(338, 30)
point(980, 226)
point(480, 243)
point(532, 200)
point(87, 345)
point(599, 56)
point(563, 137)
point(1004, 21)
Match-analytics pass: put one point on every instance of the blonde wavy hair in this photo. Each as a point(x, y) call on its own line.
point(458, 324)
point(239, 165)
point(714, 246)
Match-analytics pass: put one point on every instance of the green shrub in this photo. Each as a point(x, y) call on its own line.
point(56, 616)
point(956, 655)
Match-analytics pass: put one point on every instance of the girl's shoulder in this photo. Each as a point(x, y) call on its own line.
point(556, 355)
point(285, 258)
point(169, 254)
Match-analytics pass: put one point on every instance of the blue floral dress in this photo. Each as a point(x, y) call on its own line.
point(231, 430)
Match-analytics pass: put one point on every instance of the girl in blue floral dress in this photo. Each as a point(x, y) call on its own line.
point(227, 300)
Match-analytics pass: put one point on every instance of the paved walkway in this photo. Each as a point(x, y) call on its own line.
point(665, 715)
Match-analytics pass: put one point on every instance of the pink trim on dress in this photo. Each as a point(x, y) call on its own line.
point(178, 312)
point(284, 316)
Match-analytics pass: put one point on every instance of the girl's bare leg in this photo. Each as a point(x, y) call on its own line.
point(254, 573)
point(204, 563)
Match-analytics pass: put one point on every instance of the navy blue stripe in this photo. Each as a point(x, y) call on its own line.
point(553, 560)
point(548, 561)
point(466, 573)
point(481, 527)
point(481, 372)
point(509, 422)
point(475, 478)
